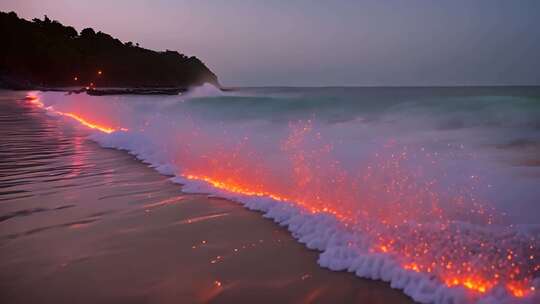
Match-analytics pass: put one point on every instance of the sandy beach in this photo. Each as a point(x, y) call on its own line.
point(83, 224)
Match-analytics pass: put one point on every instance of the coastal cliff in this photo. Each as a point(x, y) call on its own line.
point(46, 54)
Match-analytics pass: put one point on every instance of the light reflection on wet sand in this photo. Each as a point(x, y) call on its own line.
point(82, 224)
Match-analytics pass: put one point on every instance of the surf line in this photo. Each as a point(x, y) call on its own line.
point(473, 284)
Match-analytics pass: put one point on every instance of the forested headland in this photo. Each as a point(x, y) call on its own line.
point(47, 54)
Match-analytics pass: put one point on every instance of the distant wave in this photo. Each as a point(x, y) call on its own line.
point(206, 90)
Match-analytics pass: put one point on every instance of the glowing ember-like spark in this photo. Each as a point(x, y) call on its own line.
point(518, 290)
point(476, 284)
point(412, 266)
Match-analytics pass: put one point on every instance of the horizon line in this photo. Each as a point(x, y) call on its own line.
point(385, 86)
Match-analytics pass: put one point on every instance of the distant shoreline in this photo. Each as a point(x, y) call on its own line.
point(106, 91)
point(101, 91)
point(531, 90)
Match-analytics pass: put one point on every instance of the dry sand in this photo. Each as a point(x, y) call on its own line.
point(82, 224)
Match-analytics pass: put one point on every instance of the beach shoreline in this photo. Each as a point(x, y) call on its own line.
point(80, 223)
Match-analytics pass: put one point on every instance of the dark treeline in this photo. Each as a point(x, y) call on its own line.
point(45, 53)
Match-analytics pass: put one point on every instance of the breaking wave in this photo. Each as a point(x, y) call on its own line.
point(422, 188)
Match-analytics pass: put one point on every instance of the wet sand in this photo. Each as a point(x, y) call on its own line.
point(83, 224)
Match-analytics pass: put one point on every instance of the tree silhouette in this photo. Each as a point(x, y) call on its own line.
point(47, 53)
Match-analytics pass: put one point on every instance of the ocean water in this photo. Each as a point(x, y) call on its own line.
point(435, 190)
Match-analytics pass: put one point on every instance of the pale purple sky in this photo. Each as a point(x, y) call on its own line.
point(299, 43)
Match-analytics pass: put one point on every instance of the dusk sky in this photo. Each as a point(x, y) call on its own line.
point(325, 43)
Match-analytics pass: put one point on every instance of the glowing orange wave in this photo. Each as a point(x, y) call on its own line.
point(473, 283)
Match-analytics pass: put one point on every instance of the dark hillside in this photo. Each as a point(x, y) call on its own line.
point(45, 53)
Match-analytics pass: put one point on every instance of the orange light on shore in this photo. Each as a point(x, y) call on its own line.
point(99, 72)
point(92, 125)
point(232, 187)
point(88, 124)
point(75, 78)
point(245, 190)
